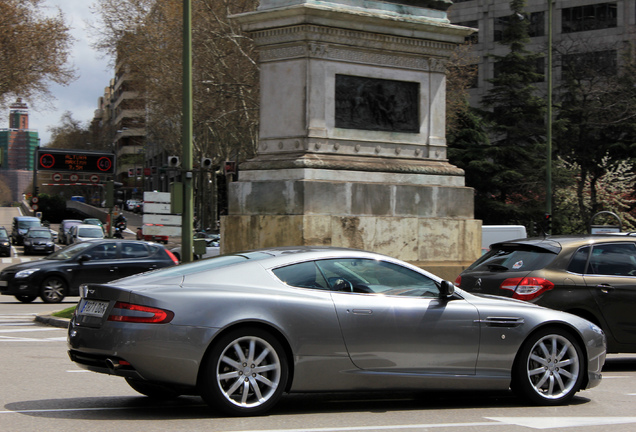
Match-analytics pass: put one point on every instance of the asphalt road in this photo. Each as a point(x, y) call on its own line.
point(42, 390)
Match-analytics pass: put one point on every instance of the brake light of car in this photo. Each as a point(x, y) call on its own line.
point(458, 281)
point(526, 288)
point(132, 313)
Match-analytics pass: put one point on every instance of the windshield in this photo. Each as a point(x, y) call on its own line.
point(28, 224)
point(513, 258)
point(39, 234)
point(90, 232)
point(3, 235)
point(69, 251)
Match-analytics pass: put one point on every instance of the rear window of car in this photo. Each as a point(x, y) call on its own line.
point(510, 258)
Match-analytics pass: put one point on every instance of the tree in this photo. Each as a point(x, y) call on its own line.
point(615, 193)
point(70, 134)
point(598, 114)
point(146, 36)
point(34, 51)
point(507, 171)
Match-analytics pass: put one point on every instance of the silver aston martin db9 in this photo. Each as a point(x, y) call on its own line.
point(242, 329)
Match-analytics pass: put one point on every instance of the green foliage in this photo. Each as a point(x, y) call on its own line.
point(508, 170)
point(615, 194)
point(53, 208)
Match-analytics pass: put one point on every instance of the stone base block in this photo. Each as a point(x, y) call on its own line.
point(444, 246)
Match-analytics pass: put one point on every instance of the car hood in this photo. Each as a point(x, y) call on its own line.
point(41, 263)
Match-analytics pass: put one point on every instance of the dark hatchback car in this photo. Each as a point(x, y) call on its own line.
point(5, 242)
point(38, 240)
point(591, 276)
point(93, 261)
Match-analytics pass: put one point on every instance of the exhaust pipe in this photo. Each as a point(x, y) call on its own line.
point(112, 365)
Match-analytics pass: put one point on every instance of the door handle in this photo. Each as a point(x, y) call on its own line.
point(605, 289)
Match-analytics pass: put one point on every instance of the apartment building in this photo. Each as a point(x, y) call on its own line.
point(580, 28)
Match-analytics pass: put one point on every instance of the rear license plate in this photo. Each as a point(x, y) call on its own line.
point(3, 283)
point(94, 308)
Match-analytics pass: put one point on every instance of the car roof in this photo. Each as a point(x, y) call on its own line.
point(556, 242)
point(25, 217)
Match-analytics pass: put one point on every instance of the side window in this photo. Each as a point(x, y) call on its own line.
point(106, 251)
point(134, 250)
point(302, 275)
point(616, 259)
point(376, 277)
point(579, 260)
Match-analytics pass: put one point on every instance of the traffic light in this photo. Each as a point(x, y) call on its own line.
point(119, 194)
point(547, 218)
point(113, 195)
point(173, 161)
point(206, 163)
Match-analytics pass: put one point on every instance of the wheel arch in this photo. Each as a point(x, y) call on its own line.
point(276, 333)
point(569, 329)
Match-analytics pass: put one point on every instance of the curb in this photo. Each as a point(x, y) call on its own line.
point(52, 320)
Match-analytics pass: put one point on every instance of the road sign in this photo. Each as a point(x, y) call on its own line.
point(57, 177)
point(35, 207)
point(75, 160)
point(73, 177)
point(35, 200)
point(94, 178)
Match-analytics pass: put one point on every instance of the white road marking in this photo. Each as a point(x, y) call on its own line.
point(562, 422)
point(30, 330)
point(529, 422)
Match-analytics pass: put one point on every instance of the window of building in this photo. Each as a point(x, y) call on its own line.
point(536, 25)
point(590, 17)
point(590, 64)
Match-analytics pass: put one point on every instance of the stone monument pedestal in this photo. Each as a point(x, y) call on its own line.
point(352, 148)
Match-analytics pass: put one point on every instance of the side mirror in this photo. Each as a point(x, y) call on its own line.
point(83, 258)
point(446, 289)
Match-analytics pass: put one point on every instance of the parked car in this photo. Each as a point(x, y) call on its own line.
point(242, 329)
point(82, 232)
point(211, 249)
point(93, 221)
point(38, 240)
point(60, 274)
point(131, 203)
point(5, 242)
point(65, 226)
point(592, 276)
point(20, 226)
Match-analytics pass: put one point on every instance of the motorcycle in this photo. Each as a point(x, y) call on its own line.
point(120, 226)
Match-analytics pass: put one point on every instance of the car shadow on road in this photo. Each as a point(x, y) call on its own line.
point(622, 364)
point(192, 407)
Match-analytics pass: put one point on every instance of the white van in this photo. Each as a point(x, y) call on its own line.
point(498, 233)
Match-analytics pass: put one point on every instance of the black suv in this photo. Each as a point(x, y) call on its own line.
point(92, 261)
point(592, 276)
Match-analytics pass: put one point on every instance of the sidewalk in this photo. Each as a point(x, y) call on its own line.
point(53, 321)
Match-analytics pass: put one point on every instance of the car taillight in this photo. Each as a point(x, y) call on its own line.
point(526, 288)
point(132, 313)
point(172, 257)
point(458, 281)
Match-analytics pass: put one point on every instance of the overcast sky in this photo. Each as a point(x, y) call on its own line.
point(94, 74)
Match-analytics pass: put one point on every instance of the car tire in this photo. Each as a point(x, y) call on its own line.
point(549, 367)
point(25, 298)
point(245, 373)
point(53, 289)
point(152, 390)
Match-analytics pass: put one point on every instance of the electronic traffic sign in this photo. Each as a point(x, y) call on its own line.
point(78, 161)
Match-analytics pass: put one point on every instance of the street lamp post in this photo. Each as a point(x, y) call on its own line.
point(548, 182)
